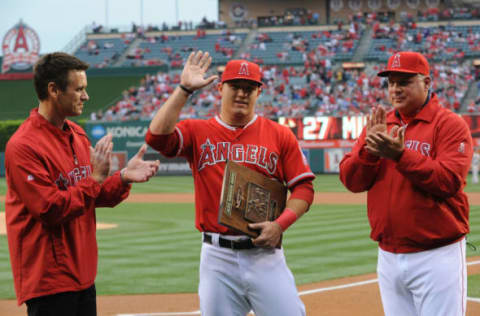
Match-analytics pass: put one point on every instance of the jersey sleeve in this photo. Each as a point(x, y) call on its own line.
point(303, 190)
point(33, 186)
point(113, 191)
point(178, 143)
point(358, 168)
point(294, 163)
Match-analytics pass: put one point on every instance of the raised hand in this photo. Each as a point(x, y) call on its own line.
point(100, 158)
point(194, 71)
point(139, 170)
point(377, 121)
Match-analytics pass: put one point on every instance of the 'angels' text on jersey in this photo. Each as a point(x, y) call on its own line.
point(212, 154)
point(77, 174)
point(421, 147)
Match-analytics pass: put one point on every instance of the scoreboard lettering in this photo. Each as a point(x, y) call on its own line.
point(318, 128)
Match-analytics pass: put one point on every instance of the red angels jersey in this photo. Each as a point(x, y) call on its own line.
point(262, 145)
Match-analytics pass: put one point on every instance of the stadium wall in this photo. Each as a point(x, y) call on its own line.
point(324, 140)
point(323, 153)
point(232, 11)
point(105, 86)
point(129, 136)
point(329, 11)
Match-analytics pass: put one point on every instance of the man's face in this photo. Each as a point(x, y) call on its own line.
point(239, 98)
point(70, 101)
point(407, 92)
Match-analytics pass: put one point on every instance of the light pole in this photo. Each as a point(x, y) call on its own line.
point(141, 13)
point(176, 12)
point(106, 13)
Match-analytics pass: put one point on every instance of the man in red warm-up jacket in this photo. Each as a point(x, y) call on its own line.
point(55, 181)
point(413, 161)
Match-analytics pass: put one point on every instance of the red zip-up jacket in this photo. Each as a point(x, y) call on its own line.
point(50, 208)
point(417, 203)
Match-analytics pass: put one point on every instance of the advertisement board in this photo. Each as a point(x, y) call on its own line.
point(128, 137)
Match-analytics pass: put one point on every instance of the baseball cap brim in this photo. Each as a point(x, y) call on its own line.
point(386, 72)
point(243, 78)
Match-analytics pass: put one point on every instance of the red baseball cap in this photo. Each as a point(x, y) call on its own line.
point(242, 69)
point(407, 62)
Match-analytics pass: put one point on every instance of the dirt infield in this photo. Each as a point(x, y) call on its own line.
point(320, 198)
point(357, 295)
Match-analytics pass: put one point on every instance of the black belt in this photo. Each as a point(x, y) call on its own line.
point(232, 244)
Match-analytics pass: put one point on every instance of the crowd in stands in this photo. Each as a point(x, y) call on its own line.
point(451, 42)
point(316, 85)
point(171, 50)
point(434, 42)
point(313, 47)
point(460, 13)
point(293, 92)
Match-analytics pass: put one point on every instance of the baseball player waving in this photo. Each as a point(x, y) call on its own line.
point(237, 274)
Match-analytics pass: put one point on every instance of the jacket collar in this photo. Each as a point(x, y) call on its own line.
point(427, 113)
point(40, 121)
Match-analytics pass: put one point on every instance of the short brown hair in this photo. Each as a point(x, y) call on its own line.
point(54, 67)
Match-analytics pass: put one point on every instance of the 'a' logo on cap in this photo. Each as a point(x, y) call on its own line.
point(244, 70)
point(396, 61)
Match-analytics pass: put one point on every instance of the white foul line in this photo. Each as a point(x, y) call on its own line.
point(325, 289)
point(331, 288)
point(471, 263)
point(471, 299)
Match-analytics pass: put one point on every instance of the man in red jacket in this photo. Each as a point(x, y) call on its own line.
point(413, 161)
point(55, 181)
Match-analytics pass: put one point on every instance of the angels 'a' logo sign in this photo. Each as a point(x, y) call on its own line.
point(20, 47)
point(396, 61)
point(244, 70)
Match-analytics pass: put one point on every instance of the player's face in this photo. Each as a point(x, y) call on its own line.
point(71, 100)
point(238, 100)
point(407, 92)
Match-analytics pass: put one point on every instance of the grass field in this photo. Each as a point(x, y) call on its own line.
point(155, 248)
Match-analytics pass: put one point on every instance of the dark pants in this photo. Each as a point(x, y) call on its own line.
point(81, 303)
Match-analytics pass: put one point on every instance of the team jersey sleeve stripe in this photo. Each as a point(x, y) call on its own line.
point(180, 137)
point(300, 177)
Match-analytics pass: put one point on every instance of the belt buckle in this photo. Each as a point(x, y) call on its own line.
point(232, 244)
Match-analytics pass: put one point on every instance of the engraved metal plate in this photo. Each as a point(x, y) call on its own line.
point(258, 200)
point(229, 202)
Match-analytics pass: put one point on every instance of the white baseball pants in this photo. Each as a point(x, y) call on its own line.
point(426, 283)
point(233, 282)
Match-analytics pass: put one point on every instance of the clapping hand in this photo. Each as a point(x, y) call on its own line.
point(377, 121)
point(387, 145)
point(100, 157)
point(139, 170)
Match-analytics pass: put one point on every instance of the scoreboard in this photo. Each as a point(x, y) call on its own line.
point(325, 131)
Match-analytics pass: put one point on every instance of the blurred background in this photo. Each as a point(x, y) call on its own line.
point(319, 61)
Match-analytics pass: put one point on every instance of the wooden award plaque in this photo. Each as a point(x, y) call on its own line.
point(249, 197)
